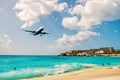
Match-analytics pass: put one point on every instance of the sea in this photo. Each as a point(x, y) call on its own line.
point(20, 67)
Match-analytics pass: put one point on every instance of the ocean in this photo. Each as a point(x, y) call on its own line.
point(19, 67)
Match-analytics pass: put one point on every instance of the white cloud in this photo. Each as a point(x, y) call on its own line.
point(70, 22)
point(61, 7)
point(95, 12)
point(5, 41)
point(73, 39)
point(31, 10)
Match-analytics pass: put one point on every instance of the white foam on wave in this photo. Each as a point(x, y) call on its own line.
point(24, 73)
point(62, 68)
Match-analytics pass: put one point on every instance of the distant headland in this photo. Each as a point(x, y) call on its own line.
point(104, 51)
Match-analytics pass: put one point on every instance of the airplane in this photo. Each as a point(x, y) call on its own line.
point(37, 32)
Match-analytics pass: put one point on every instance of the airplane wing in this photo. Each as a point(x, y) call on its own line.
point(29, 31)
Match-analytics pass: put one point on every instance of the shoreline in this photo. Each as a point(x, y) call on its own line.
point(103, 73)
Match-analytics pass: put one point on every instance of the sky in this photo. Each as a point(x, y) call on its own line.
point(72, 24)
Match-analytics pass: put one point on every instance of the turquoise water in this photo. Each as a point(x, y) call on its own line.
point(34, 66)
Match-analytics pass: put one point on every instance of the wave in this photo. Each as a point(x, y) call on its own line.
point(24, 73)
point(37, 72)
point(62, 68)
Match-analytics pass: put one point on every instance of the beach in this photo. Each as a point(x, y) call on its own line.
point(112, 73)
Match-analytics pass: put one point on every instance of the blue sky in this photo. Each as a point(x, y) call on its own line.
point(72, 24)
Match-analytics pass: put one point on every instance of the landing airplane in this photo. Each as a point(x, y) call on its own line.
point(39, 31)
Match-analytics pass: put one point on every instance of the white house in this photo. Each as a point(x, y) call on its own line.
point(99, 52)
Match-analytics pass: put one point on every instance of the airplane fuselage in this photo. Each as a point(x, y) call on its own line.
point(38, 31)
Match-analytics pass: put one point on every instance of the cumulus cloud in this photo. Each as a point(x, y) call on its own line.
point(30, 11)
point(73, 39)
point(5, 41)
point(94, 12)
point(60, 7)
point(70, 22)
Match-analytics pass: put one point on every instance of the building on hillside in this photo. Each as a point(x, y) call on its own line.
point(108, 49)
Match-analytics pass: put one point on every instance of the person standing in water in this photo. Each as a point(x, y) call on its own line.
point(14, 69)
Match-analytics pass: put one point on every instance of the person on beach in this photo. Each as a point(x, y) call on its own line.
point(14, 69)
point(102, 64)
point(108, 63)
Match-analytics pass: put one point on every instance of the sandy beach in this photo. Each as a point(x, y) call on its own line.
point(91, 74)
